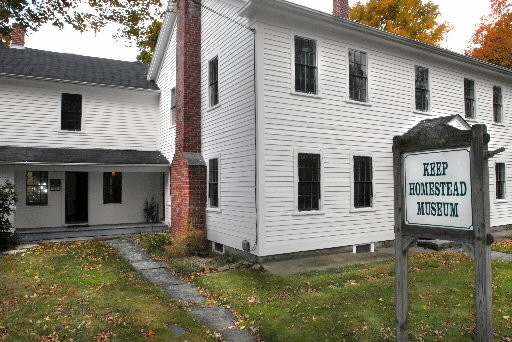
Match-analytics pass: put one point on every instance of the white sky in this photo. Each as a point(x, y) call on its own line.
point(463, 15)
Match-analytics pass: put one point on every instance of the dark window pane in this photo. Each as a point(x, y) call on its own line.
point(469, 98)
point(37, 188)
point(500, 180)
point(363, 182)
point(305, 65)
point(309, 182)
point(497, 104)
point(173, 106)
point(71, 112)
point(421, 86)
point(213, 183)
point(213, 81)
point(358, 79)
point(112, 187)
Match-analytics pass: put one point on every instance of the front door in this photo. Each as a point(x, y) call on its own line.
point(77, 187)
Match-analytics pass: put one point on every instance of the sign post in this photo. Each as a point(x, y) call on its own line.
point(441, 185)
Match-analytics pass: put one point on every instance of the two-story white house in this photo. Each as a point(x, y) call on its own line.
point(79, 139)
point(297, 111)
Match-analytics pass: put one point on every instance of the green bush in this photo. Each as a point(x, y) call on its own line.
point(155, 243)
point(7, 206)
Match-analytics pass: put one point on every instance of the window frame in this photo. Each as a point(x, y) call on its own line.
point(473, 82)
point(208, 206)
point(296, 153)
point(349, 99)
point(317, 61)
point(373, 207)
point(502, 113)
point(111, 185)
point(210, 83)
point(504, 199)
point(173, 104)
point(40, 203)
point(428, 89)
point(61, 108)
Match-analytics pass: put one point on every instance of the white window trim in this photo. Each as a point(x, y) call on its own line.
point(500, 200)
point(296, 152)
point(503, 116)
point(82, 119)
point(212, 56)
point(219, 183)
point(429, 110)
point(292, 64)
point(353, 209)
point(347, 77)
point(473, 119)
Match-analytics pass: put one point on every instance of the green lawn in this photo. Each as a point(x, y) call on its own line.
point(83, 291)
point(356, 303)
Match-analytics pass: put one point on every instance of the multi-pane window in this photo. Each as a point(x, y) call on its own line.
point(173, 107)
point(497, 103)
point(422, 97)
point(309, 182)
point(358, 77)
point(500, 180)
point(112, 187)
point(71, 112)
point(213, 183)
point(213, 81)
point(37, 187)
point(363, 182)
point(469, 98)
point(305, 66)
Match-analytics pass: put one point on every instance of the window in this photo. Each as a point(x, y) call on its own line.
point(71, 112)
point(112, 187)
point(497, 103)
point(305, 65)
point(37, 187)
point(469, 98)
point(358, 78)
point(173, 107)
point(421, 89)
point(363, 182)
point(213, 183)
point(213, 81)
point(500, 180)
point(309, 182)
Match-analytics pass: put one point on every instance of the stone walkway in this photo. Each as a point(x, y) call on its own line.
point(217, 318)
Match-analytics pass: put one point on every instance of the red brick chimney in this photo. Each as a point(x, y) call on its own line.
point(188, 169)
point(340, 9)
point(18, 36)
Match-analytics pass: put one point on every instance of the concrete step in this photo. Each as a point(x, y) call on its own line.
point(86, 232)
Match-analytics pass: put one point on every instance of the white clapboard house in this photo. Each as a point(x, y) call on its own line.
point(276, 121)
point(298, 109)
point(78, 138)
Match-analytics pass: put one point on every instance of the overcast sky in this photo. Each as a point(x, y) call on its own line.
point(463, 15)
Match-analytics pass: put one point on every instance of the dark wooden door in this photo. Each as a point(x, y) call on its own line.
point(77, 197)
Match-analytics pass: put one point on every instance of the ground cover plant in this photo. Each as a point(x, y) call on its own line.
point(504, 246)
point(84, 291)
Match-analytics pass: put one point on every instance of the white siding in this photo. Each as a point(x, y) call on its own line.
point(111, 118)
point(228, 130)
point(339, 128)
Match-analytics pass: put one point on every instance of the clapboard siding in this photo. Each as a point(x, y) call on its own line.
point(229, 130)
point(339, 128)
point(111, 118)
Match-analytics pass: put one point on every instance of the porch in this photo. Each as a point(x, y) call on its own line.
point(85, 232)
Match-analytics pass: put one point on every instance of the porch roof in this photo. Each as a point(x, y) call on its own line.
point(70, 156)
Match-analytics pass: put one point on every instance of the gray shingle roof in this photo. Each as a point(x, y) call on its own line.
point(74, 68)
point(11, 154)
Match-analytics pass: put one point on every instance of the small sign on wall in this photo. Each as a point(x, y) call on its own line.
point(54, 184)
point(437, 188)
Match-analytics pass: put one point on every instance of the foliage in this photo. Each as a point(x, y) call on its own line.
point(150, 210)
point(409, 18)
point(356, 302)
point(190, 243)
point(7, 206)
point(504, 246)
point(155, 243)
point(492, 39)
point(84, 291)
point(147, 42)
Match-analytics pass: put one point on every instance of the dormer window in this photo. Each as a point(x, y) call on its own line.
point(71, 112)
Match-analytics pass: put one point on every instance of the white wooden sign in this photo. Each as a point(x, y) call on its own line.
point(437, 188)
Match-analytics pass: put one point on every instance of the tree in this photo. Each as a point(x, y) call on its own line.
point(409, 18)
point(7, 203)
point(492, 39)
point(146, 42)
point(134, 16)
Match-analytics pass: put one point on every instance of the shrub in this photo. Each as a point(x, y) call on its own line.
point(151, 210)
point(7, 206)
point(155, 243)
point(191, 243)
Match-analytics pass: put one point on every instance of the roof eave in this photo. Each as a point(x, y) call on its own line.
point(161, 45)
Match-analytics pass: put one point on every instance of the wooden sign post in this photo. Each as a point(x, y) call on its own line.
point(441, 181)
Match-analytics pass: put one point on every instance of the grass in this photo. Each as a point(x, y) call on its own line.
point(504, 246)
point(83, 291)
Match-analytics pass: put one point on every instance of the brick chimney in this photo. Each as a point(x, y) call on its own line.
point(188, 169)
point(18, 36)
point(340, 9)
